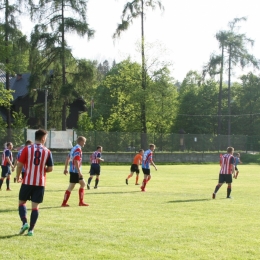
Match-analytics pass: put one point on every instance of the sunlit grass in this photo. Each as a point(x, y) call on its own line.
point(175, 219)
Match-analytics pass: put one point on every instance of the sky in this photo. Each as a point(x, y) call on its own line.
point(183, 35)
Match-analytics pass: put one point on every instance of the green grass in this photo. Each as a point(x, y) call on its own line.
point(175, 219)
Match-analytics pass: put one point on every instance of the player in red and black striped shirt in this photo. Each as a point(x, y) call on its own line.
point(37, 160)
point(226, 171)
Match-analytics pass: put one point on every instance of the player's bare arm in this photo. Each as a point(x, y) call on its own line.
point(19, 168)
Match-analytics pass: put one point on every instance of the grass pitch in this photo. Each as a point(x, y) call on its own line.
point(175, 218)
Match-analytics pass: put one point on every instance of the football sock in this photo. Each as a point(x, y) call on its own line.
point(96, 182)
point(22, 213)
point(34, 217)
point(66, 197)
point(1, 182)
point(89, 180)
point(144, 183)
point(81, 195)
point(217, 188)
point(8, 182)
point(228, 190)
point(136, 178)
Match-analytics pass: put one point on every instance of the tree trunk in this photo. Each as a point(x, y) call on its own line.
point(143, 105)
point(229, 94)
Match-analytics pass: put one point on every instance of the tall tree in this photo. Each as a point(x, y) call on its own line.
point(50, 37)
point(132, 10)
point(10, 34)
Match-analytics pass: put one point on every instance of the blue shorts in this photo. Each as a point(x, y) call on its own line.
point(95, 169)
point(5, 171)
point(31, 192)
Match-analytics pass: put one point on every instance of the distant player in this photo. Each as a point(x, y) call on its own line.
point(76, 176)
point(135, 167)
point(7, 165)
point(226, 171)
point(147, 160)
point(95, 168)
point(37, 160)
point(237, 161)
point(28, 142)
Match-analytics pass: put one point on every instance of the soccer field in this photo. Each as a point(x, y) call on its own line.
point(175, 218)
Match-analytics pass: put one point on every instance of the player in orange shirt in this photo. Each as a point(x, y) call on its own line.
point(135, 167)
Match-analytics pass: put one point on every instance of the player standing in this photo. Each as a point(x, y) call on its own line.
point(95, 166)
point(226, 171)
point(237, 161)
point(28, 142)
point(135, 167)
point(76, 175)
point(37, 160)
point(147, 160)
point(7, 165)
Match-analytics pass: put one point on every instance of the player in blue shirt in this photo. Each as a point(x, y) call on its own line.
point(147, 160)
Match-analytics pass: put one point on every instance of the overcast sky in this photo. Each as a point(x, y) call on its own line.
point(184, 34)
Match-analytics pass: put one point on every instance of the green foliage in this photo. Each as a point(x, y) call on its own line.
point(84, 123)
point(5, 96)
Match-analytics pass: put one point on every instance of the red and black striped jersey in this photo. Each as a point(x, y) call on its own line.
point(227, 161)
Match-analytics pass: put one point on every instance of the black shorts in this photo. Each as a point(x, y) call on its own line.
point(33, 193)
point(227, 178)
point(74, 177)
point(5, 171)
point(95, 169)
point(146, 171)
point(134, 168)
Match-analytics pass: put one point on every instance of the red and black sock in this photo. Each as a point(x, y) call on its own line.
point(34, 217)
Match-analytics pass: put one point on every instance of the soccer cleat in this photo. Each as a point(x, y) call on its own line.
point(126, 181)
point(142, 189)
point(137, 184)
point(88, 186)
point(95, 187)
point(30, 233)
point(8, 189)
point(23, 228)
point(83, 204)
point(65, 205)
point(213, 196)
point(229, 197)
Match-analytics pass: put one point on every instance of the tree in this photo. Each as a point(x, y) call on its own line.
point(132, 10)
point(9, 28)
point(57, 16)
point(234, 45)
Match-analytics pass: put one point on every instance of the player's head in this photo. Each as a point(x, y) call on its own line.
point(81, 141)
point(9, 145)
point(99, 148)
point(28, 142)
point(152, 147)
point(230, 150)
point(238, 154)
point(141, 151)
point(41, 136)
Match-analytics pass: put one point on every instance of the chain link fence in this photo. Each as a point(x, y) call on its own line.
point(132, 142)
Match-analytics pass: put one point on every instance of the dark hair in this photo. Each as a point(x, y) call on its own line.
point(8, 143)
point(28, 142)
point(39, 134)
point(141, 150)
point(99, 146)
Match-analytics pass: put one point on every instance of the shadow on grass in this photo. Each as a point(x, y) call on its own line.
point(9, 236)
point(112, 192)
point(189, 200)
point(16, 209)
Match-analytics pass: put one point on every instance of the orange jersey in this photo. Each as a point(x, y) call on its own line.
point(137, 159)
